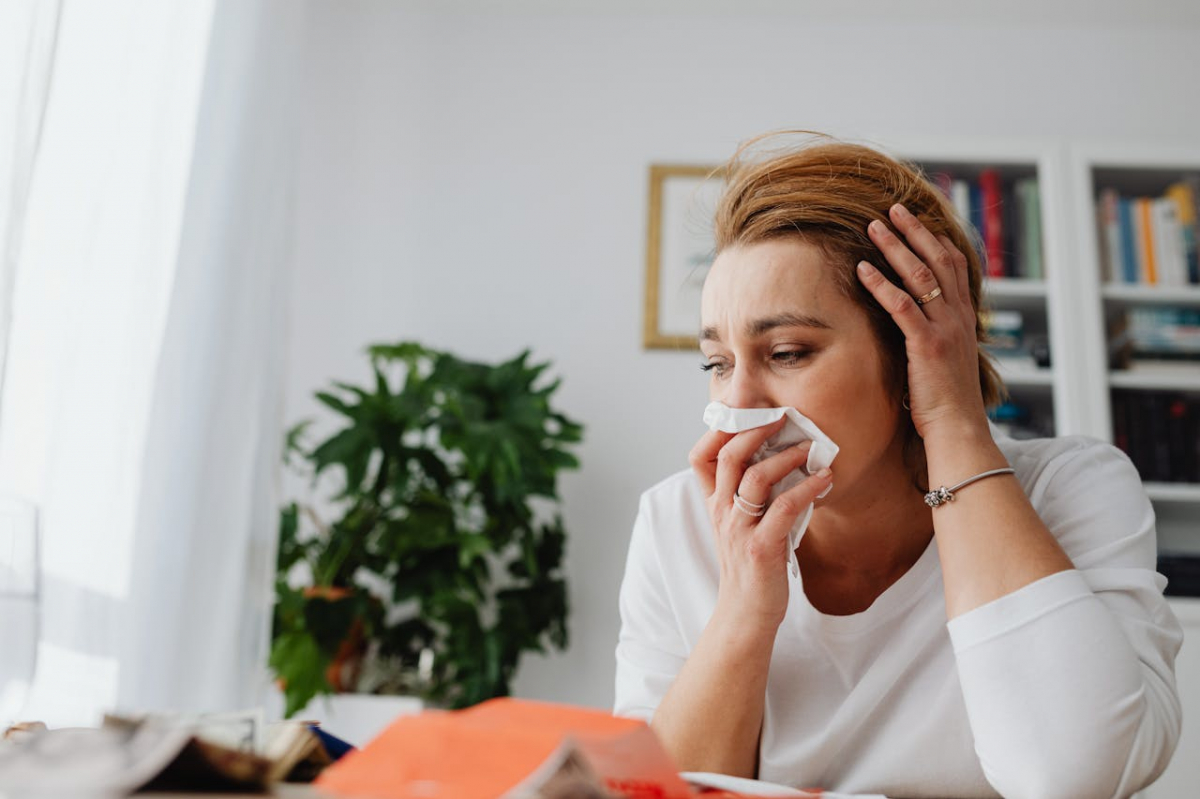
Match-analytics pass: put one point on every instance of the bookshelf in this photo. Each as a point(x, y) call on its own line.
point(1107, 297)
point(1075, 303)
point(1046, 393)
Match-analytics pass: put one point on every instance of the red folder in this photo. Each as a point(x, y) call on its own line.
point(486, 751)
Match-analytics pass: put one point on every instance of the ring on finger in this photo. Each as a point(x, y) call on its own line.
point(737, 497)
point(933, 295)
point(749, 508)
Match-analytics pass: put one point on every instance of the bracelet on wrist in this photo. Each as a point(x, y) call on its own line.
point(942, 495)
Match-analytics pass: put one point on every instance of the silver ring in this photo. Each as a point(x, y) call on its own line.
point(933, 295)
point(749, 508)
point(737, 497)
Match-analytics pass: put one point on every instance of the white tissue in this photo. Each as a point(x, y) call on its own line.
point(798, 428)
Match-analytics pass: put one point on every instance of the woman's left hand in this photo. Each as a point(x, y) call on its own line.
point(939, 333)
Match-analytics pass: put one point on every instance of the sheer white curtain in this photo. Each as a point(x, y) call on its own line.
point(27, 34)
point(141, 405)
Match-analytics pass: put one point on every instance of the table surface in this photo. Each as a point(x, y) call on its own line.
point(283, 791)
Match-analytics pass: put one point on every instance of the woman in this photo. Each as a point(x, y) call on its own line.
point(1014, 640)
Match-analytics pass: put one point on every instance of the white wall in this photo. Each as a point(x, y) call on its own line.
point(476, 179)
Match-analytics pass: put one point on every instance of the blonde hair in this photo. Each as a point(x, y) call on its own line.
point(825, 192)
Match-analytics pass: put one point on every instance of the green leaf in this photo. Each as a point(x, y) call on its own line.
point(351, 449)
point(291, 440)
point(299, 663)
point(338, 404)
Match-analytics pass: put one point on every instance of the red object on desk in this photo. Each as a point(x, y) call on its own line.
point(485, 751)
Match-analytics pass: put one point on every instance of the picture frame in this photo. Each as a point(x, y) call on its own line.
point(679, 251)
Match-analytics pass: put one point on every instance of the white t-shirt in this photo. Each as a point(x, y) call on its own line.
point(1063, 688)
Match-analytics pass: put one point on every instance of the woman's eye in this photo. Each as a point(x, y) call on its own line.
point(716, 367)
point(790, 356)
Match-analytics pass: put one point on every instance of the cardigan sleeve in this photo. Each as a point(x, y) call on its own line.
point(650, 649)
point(1069, 682)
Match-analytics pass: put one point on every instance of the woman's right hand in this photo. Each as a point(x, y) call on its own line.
point(753, 550)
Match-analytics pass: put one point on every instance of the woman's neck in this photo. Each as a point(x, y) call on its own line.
point(857, 547)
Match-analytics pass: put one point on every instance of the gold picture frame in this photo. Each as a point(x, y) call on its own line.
point(678, 252)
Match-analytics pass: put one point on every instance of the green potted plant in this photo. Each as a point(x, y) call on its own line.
point(428, 557)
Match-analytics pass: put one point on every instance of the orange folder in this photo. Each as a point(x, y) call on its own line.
point(485, 751)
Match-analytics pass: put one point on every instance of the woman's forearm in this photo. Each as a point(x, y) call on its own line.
point(990, 540)
point(711, 717)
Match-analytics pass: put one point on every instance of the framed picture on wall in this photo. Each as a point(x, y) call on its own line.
point(679, 252)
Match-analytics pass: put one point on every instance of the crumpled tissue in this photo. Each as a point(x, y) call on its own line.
point(798, 428)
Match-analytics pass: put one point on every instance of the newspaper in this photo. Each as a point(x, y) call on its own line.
point(227, 751)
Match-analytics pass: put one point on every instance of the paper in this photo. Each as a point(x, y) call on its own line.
point(798, 428)
point(743, 787)
point(199, 753)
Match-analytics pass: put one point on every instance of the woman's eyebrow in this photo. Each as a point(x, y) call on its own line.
point(759, 327)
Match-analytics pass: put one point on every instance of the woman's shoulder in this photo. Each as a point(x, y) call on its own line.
point(1089, 495)
point(680, 488)
point(1041, 462)
point(673, 514)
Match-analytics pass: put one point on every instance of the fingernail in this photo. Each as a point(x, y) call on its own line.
point(900, 209)
point(865, 268)
point(877, 226)
point(825, 473)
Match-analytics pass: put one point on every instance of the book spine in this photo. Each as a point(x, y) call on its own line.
point(1129, 260)
point(960, 197)
point(993, 222)
point(1167, 238)
point(1033, 229)
point(1120, 419)
point(1194, 437)
point(1145, 233)
point(1192, 182)
point(1108, 213)
point(1160, 445)
point(1139, 434)
point(1183, 195)
point(944, 182)
point(1018, 219)
point(976, 216)
point(1177, 441)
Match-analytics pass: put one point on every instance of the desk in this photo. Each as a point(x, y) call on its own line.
point(283, 791)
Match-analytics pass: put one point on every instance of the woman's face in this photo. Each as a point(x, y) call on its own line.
point(776, 331)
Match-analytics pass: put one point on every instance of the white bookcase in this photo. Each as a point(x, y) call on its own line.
point(1073, 302)
point(1048, 305)
point(1136, 169)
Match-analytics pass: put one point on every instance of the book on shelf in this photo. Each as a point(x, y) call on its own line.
point(1144, 334)
point(1018, 420)
point(1151, 241)
point(1184, 195)
point(1006, 215)
point(993, 222)
point(1027, 231)
point(1160, 432)
point(1005, 331)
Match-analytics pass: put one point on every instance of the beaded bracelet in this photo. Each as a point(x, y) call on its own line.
point(940, 496)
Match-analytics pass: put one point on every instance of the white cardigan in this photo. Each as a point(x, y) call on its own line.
point(1063, 688)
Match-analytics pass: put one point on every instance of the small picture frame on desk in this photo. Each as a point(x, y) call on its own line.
point(679, 251)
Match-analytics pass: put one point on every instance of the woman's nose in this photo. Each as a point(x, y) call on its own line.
point(746, 389)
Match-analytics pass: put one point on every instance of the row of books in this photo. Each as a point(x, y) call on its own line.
point(1166, 333)
point(1019, 420)
point(1008, 217)
point(1160, 432)
point(1151, 241)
